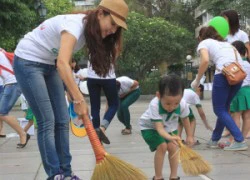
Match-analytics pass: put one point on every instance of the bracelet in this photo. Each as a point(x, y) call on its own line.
point(78, 102)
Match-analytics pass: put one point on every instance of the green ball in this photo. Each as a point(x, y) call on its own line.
point(221, 25)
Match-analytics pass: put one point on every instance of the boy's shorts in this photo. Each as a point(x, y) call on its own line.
point(153, 138)
point(29, 114)
point(190, 117)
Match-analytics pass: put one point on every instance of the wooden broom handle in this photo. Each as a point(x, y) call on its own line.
point(94, 140)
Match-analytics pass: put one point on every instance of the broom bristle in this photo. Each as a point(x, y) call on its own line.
point(192, 163)
point(112, 168)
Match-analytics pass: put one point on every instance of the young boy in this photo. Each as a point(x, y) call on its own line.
point(159, 124)
point(192, 98)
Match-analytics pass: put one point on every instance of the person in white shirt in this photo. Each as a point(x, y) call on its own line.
point(159, 124)
point(128, 93)
point(213, 48)
point(41, 80)
point(2, 135)
point(235, 34)
point(192, 98)
point(10, 94)
point(240, 105)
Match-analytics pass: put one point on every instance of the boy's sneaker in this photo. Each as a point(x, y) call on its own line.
point(59, 177)
point(212, 144)
point(237, 146)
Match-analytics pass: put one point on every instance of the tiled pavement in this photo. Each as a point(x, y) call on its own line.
point(25, 164)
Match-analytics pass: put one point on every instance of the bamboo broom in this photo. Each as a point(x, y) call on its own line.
point(192, 163)
point(109, 167)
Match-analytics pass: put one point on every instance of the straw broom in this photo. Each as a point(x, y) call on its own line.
point(109, 167)
point(192, 163)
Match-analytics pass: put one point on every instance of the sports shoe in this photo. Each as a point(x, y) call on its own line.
point(72, 178)
point(237, 146)
point(59, 177)
point(212, 144)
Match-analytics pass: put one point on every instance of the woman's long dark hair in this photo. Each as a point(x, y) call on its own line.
point(209, 33)
point(233, 20)
point(102, 52)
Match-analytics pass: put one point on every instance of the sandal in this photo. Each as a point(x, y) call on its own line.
point(102, 137)
point(157, 179)
point(19, 145)
point(177, 178)
point(126, 132)
point(2, 136)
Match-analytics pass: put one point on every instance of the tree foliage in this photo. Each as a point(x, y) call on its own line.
point(179, 12)
point(215, 7)
point(16, 18)
point(56, 7)
point(150, 41)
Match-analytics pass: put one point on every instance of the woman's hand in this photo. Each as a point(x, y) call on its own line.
point(81, 108)
point(195, 84)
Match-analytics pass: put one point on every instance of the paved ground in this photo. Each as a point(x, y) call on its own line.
point(25, 164)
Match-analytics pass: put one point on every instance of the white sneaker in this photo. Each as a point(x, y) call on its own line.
point(212, 144)
point(59, 177)
point(237, 146)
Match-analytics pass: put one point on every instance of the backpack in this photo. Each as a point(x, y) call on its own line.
point(10, 57)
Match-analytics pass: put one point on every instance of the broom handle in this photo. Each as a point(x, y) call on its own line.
point(94, 140)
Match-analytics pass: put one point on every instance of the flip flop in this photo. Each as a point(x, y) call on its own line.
point(126, 132)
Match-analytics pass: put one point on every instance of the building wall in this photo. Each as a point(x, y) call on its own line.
point(84, 4)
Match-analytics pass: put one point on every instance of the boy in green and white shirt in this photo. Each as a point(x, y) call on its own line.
point(159, 124)
point(192, 98)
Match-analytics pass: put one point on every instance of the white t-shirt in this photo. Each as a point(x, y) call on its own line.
point(92, 73)
point(220, 53)
point(246, 67)
point(8, 78)
point(43, 43)
point(24, 103)
point(191, 97)
point(238, 36)
point(1, 81)
point(155, 113)
point(126, 84)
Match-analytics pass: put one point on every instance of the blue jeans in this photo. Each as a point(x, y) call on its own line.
point(1, 90)
point(222, 95)
point(8, 98)
point(110, 91)
point(43, 89)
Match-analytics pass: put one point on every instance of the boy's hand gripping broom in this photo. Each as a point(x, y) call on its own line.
point(192, 163)
point(109, 167)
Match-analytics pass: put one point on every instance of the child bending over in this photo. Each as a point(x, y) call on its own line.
point(159, 124)
point(192, 98)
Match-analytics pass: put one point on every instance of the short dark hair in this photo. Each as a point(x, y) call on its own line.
point(201, 87)
point(171, 85)
point(209, 33)
point(233, 20)
point(240, 46)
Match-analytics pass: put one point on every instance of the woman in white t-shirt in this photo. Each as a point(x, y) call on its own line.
point(235, 33)
point(41, 80)
point(212, 47)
